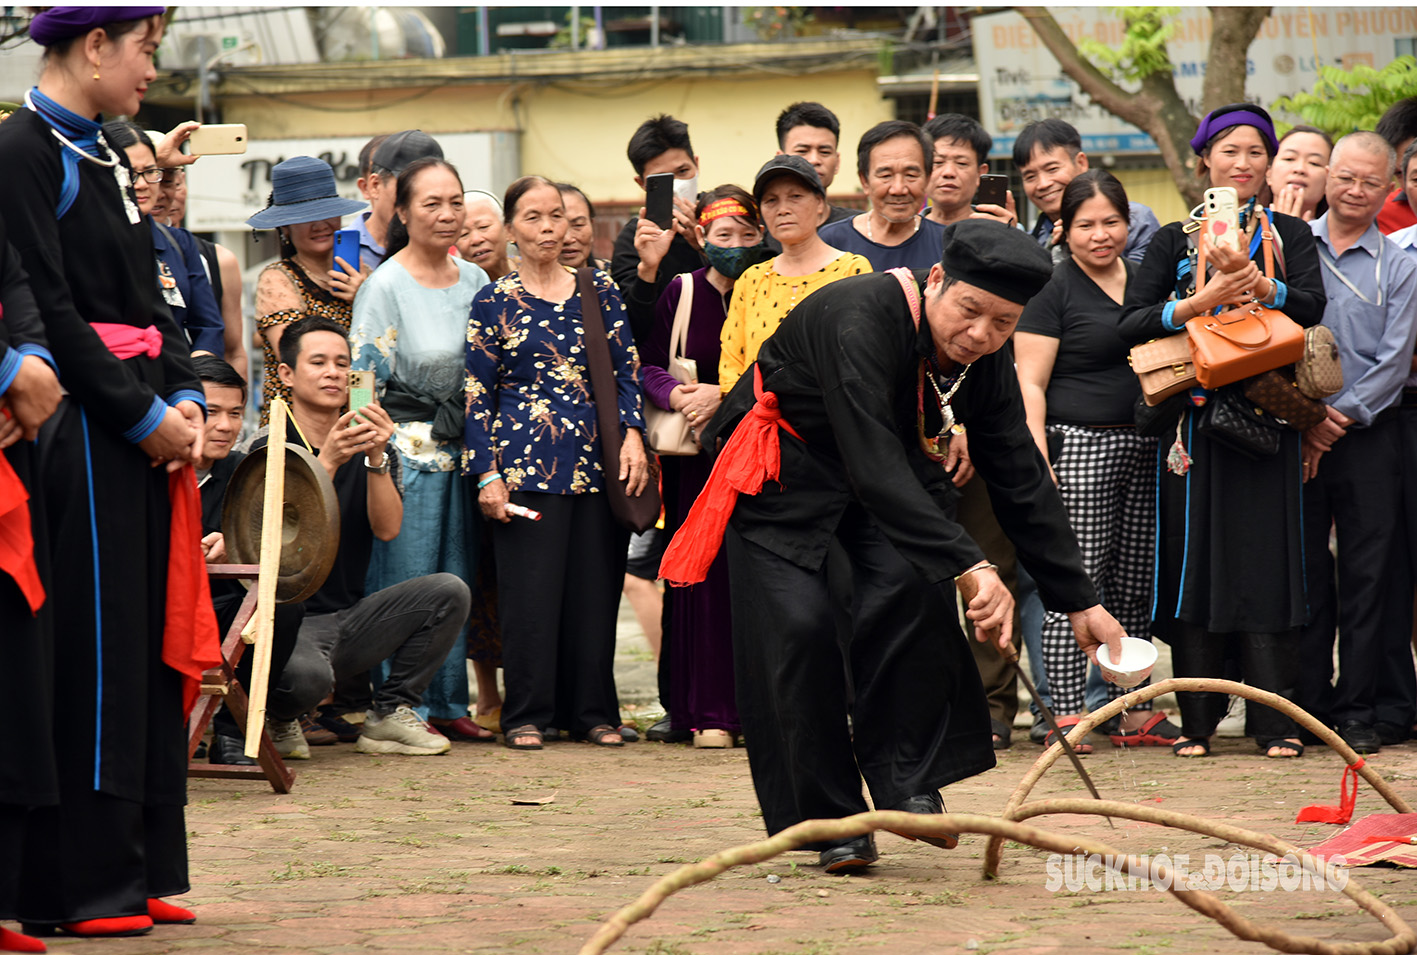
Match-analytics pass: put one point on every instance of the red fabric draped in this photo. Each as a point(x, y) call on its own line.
point(751, 456)
point(190, 643)
point(16, 537)
point(1347, 799)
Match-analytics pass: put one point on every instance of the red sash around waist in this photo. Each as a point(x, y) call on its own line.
point(751, 456)
point(129, 341)
point(190, 642)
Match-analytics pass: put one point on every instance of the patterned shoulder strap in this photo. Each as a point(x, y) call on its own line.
point(912, 292)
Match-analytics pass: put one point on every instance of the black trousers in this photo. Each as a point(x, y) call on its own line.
point(919, 718)
point(558, 594)
point(287, 629)
point(1266, 661)
point(1368, 594)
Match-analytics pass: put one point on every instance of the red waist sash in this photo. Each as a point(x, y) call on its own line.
point(129, 341)
point(751, 456)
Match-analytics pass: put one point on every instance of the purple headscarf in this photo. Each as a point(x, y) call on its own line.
point(62, 23)
point(1236, 114)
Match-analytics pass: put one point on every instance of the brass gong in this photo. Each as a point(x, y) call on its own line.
point(309, 532)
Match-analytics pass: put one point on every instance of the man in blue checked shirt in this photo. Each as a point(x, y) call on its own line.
point(1351, 465)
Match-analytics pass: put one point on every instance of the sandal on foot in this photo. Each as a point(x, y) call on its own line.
point(1281, 743)
point(1157, 731)
point(1082, 749)
point(1202, 741)
point(523, 732)
point(1002, 732)
point(605, 735)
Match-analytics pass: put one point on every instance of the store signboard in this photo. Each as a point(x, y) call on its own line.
point(223, 191)
point(1019, 81)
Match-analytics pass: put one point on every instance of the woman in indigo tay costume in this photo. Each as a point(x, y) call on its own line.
point(1213, 597)
point(700, 627)
point(29, 393)
point(112, 462)
point(410, 329)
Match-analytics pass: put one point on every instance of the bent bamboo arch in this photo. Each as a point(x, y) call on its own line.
point(1012, 826)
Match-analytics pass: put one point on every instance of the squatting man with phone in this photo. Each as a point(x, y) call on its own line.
point(347, 632)
point(842, 419)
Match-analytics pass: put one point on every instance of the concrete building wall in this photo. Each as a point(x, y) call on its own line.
point(579, 134)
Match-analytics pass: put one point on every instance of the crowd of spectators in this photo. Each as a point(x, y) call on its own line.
point(477, 520)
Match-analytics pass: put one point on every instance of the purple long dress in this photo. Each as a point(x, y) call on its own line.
point(698, 635)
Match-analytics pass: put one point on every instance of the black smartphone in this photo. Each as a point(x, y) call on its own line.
point(659, 199)
point(993, 191)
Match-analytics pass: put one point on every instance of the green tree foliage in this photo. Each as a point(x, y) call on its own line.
point(1143, 50)
point(1344, 100)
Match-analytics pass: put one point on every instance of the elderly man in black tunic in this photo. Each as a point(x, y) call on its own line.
point(839, 433)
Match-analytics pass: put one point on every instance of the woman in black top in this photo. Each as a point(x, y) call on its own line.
point(1080, 394)
point(1230, 575)
point(95, 861)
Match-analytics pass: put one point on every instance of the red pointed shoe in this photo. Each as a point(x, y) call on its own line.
point(109, 928)
point(165, 913)
point(15, 942)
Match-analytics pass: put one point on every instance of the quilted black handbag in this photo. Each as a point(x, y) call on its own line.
point(1231, 419)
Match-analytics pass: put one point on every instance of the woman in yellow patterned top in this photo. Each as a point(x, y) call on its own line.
point(793, 204)
point(306, 211)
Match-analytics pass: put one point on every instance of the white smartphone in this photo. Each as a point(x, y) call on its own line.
point(1222, 217)
point(218, 139)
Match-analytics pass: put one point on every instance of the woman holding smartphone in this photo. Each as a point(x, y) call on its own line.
point(106, 839)
point(410, 330)
point(306, 212)
point(1214, 599)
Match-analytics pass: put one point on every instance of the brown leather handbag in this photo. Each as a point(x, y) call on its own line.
point(639, 512)
point(1276, 392)
point(1245, 340)
point(1163, 366)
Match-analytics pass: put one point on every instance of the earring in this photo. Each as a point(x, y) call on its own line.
point(95, 71)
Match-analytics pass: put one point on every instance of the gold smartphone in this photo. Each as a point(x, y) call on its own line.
point(218, 139)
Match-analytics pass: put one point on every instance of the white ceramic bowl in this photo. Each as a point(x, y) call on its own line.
point(1138, 658)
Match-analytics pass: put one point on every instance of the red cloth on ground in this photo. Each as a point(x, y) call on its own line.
point(190, 643)
point(751, 456)
point(17, 538)
point(1348, 798)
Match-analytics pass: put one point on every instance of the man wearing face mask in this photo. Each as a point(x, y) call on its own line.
point(646, 257)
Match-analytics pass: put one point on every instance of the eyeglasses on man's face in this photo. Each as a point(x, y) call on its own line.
point(1371, 186)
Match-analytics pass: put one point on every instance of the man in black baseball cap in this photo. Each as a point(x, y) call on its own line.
point(391, 156)
point(836, 434)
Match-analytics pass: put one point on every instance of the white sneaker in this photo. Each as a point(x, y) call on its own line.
point(289, 739)
point(401, 733)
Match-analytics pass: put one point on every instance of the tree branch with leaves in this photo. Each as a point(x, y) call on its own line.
point(1154, 106)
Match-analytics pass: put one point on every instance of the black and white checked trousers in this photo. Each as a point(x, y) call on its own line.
point(1107, 478)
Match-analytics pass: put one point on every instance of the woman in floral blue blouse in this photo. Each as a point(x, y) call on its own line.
point(532, 440)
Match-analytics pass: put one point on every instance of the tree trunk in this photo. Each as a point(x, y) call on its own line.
point(1157, 109)
point(1233, 29)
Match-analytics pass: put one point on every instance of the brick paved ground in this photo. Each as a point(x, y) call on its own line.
point(428, 855)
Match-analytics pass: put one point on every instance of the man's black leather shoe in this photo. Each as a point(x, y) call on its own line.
point(850, 856)
point(662, 732)
point(925, 804)
point(1390, 734)
point(1362, 737)
point(228, 751)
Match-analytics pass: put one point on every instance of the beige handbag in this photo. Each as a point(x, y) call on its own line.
point(1163, 366)
point(1319, 372)
point(668, 432)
